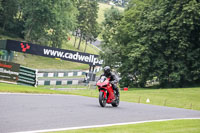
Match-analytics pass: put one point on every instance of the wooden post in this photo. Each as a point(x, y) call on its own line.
point(165, 102)
point(139, 99)
point(191, 106)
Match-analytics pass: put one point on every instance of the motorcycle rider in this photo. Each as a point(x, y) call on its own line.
point(113, 80)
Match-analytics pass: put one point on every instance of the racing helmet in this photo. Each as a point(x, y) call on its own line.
point(107, 70)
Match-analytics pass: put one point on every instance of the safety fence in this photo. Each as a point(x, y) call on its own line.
point(14, 73)
point(50, 74)
point(64, 73)
point(17, 74)
point(27, 76)
point(58, 82)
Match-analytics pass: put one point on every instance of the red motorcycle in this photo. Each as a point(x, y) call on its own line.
point(106, 93)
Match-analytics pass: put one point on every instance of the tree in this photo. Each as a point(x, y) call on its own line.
point(159, 39)
point(110, 48)
point(168, 35)
point(48, 21)
point(87, 28)
point(92, 30)
point(1, 5)
point(9, 17)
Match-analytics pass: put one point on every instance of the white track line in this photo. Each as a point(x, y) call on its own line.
point(36, 94)
point(106, 125)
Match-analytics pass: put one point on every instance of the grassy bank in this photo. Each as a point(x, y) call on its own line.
point(173, 97)
point(39, 62)
point(187, 98)
point(175, 126)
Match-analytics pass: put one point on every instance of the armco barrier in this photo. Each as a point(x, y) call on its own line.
point(64, 73)
point(27, 76)
point(58, 82)
point(50, 74)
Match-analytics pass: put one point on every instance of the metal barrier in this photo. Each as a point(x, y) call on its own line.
point(27, 76)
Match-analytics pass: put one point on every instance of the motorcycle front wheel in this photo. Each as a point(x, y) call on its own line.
point(102, 100)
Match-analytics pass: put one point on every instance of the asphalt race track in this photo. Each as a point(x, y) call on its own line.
point(31, 112)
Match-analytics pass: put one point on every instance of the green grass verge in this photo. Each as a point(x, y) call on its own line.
point(187, 98)
point(12, 88)
point(172, 126)
point(177, 97)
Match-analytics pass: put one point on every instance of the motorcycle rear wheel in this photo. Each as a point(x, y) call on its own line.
point(102, 100)
point(116, 102)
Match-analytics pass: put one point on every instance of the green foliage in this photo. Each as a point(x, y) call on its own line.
point(116, 2)
point(48, 21)
point(158, 39)
point(1, 52)
point(10, 18)
point(88, 28)
point(1, 5)
point(45, 22)
point(112, 19)
point(102, 8)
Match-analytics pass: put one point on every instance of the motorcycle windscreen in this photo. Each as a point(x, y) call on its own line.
point(103, 78)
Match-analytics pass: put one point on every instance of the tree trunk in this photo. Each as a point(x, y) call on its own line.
point(75, 39)
point(4, 24)
point(80, 41)
point(28, 34)
point(86, 43)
